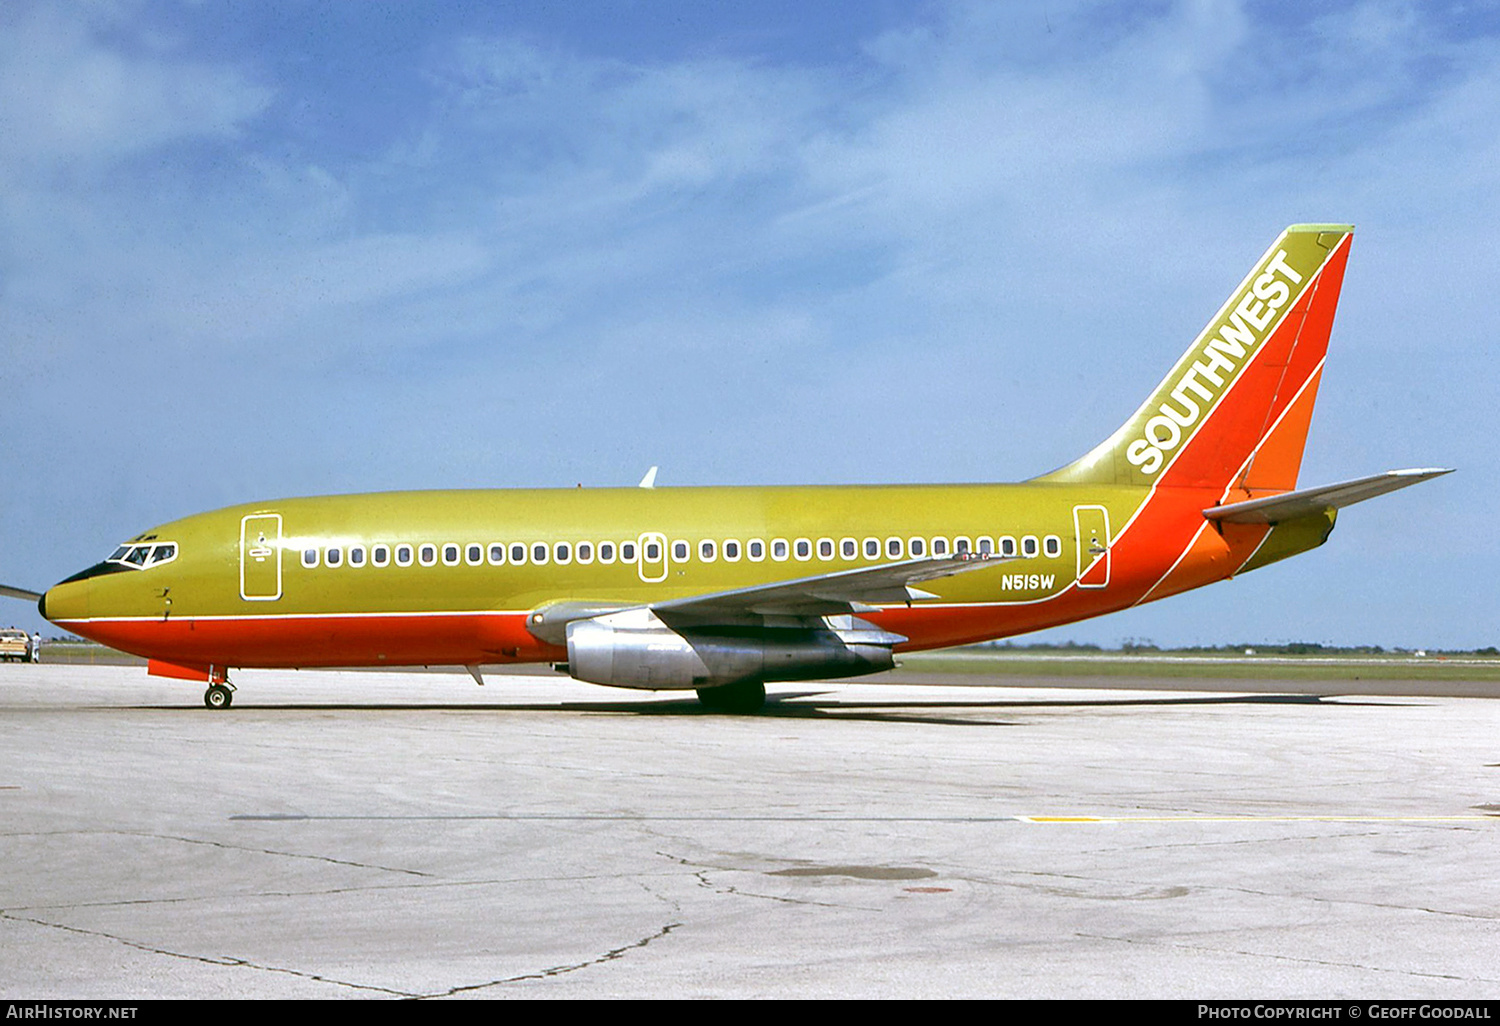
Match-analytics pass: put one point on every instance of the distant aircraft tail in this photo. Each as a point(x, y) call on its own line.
point(1233, 413)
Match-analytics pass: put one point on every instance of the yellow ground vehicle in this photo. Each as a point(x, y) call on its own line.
point(15, 645)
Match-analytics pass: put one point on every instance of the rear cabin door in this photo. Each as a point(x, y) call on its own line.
point(260, 557)
point(1091, 540)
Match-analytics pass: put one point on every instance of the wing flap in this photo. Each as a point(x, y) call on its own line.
point(1290, 505)
point(846, 591)
point(837, 594)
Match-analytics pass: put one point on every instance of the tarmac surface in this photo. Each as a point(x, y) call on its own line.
point(393, 835)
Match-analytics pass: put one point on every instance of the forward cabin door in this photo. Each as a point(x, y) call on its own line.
point(1091, 542)
point(260, 557)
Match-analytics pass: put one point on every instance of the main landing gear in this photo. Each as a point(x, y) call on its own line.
point(219, 696)
point(743, 698)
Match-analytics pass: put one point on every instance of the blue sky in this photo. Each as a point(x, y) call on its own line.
point(257, 250)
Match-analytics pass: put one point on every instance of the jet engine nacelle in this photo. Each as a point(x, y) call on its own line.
point(634, 649)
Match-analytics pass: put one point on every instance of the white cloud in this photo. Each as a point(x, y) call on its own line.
point(66, 96)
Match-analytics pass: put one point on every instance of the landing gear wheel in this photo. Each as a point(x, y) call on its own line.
point(742, 698)
point(218, 697)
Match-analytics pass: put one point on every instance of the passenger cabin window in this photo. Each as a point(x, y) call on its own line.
point(986, 546)
point(403, 555)
point(893, 547)
point(1052, 546)
point(427, 554)
point(356, 555)
point(562, 553)
point(872, 548)
point(474, 554)
point(653, 552)
point(1007, 546)
point(309, 558)
point(334, 556)
point(1029, 546)
point(606, 552)
point(940, 546)
point(584, 553)
point(706, 551)
point(825, 548)
point(849, 548)
point(732, 550)
point(778, 548)
point(450, 555)
point(680, 551)
point(804, 548)
point(380, 555)
point(539, 553)
point(497, 554)
point(961, 545)
point(627, 552)
point(518, 554)
point(756, 549)
point(917, 547)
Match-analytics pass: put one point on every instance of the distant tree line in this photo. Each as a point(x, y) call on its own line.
point(1131, 646)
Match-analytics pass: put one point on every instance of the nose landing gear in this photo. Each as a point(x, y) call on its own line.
point(219, 696)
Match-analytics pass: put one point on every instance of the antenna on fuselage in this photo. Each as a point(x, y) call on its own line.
point(649, 481)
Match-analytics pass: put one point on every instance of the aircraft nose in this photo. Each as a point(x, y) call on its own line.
point(66, 601)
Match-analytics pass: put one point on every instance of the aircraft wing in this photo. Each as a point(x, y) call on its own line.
point(1289, 505)
point(835, 594)
point(20, 593)
point(847, 591)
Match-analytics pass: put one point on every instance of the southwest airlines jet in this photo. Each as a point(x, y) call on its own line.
point(722, 590)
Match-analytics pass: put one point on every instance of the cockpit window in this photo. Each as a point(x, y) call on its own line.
point(140, 557)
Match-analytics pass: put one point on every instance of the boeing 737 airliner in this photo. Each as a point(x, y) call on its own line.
point(722, 590)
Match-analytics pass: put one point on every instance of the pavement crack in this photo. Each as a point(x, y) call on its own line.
point(427, 884)
point(224, 961)
point(665, 899)
point(238, 848)
point(560, 970)
point(292, 855)
point(700, 873)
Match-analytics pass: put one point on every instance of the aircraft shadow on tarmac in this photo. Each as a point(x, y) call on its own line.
point(800, 705)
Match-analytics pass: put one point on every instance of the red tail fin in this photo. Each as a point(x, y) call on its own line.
point(1233, 413)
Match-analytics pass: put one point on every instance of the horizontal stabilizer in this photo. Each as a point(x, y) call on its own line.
point(20, 593)
point(1290, 505)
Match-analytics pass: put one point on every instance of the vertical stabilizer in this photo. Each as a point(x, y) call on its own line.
point(1234, 411)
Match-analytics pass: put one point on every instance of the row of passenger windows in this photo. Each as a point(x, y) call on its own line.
point(652, 550)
